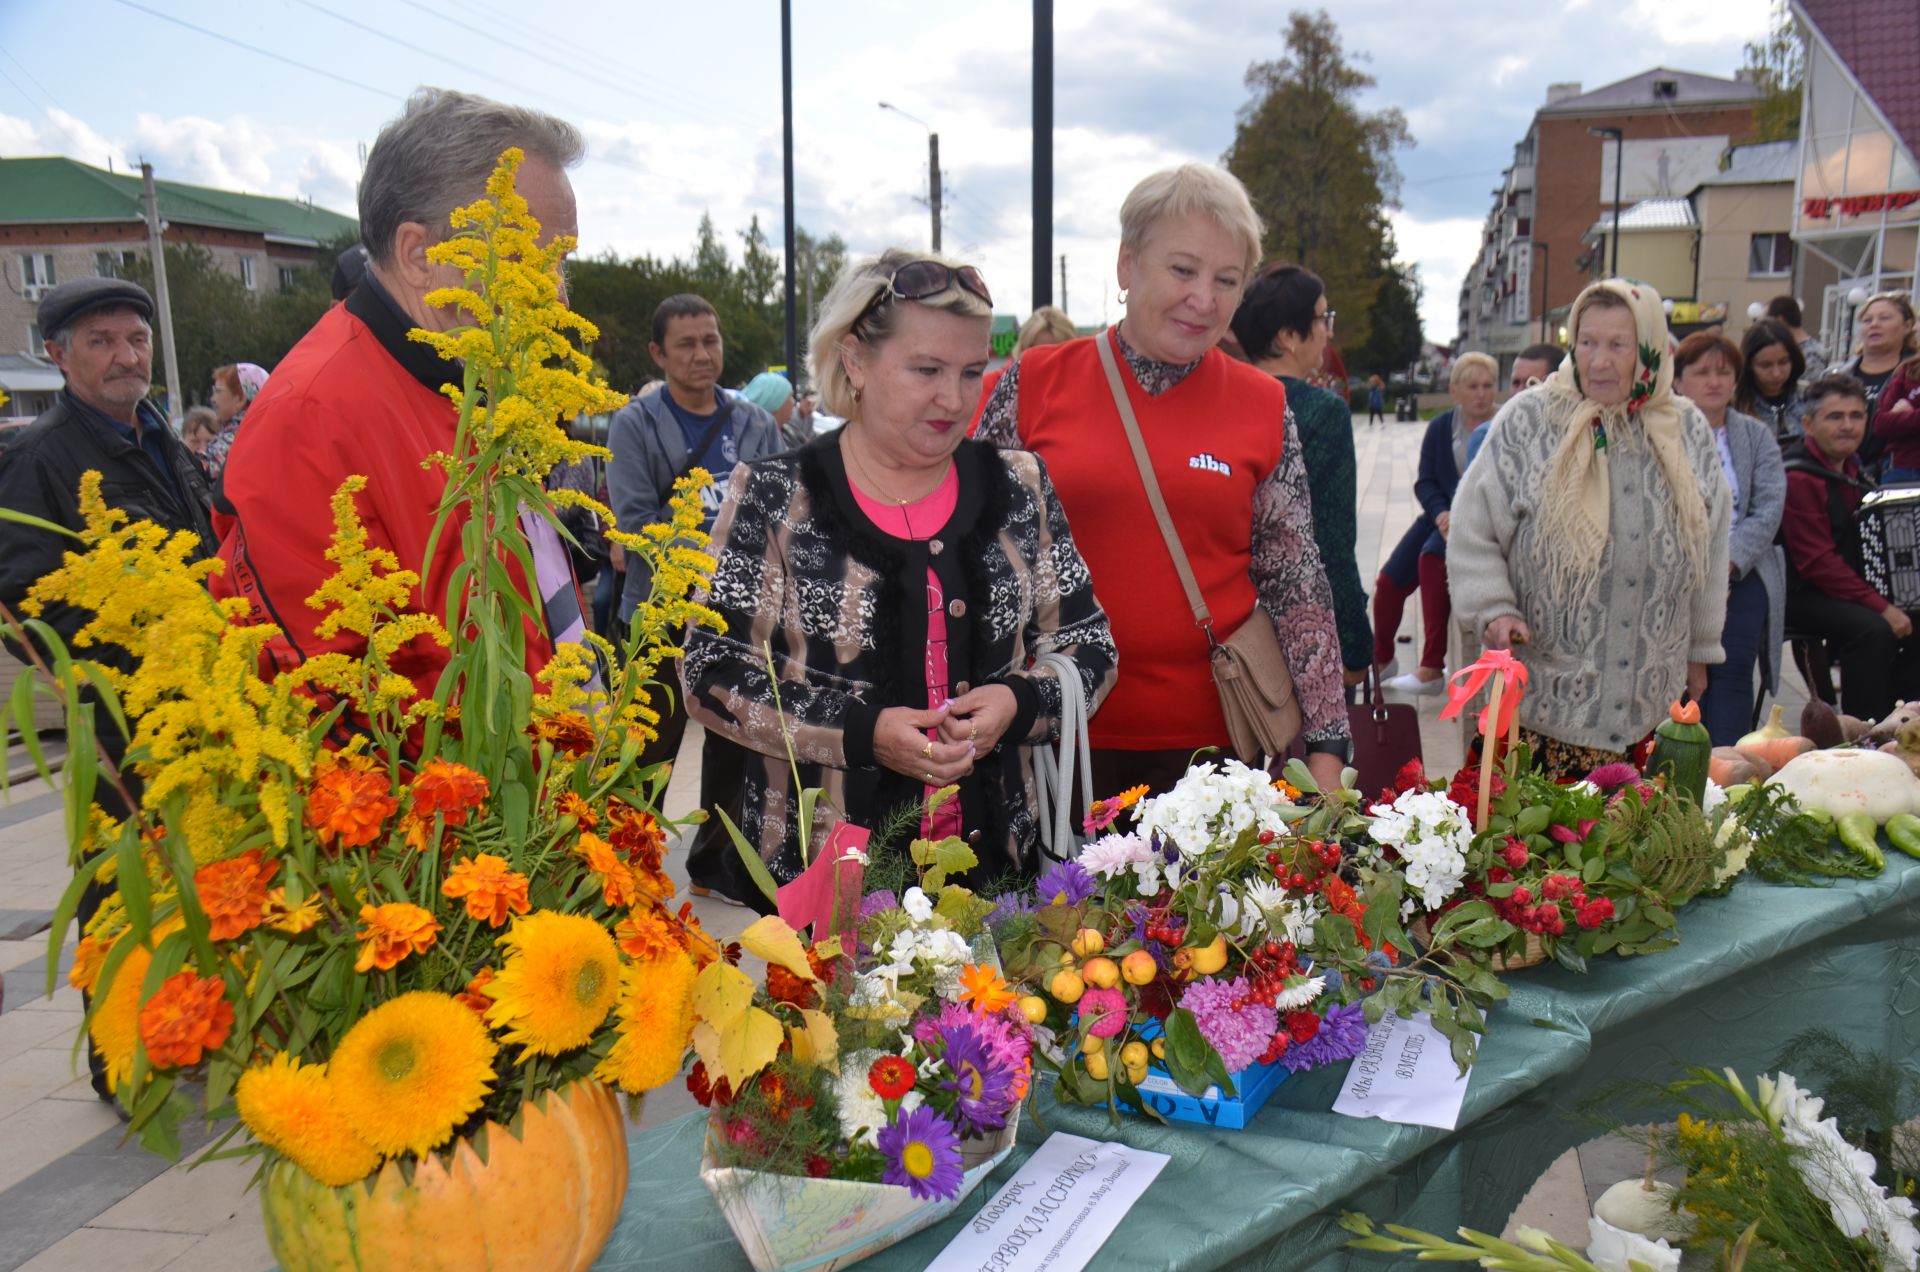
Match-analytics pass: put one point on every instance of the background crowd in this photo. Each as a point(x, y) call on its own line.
point(926, 567)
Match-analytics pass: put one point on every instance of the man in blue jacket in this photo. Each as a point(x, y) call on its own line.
point(686, 422)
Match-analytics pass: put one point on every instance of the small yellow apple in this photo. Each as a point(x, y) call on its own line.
point(1139, 968)
point(1088, 941)
point(1066, 986)
point(1102, 972)
point(1033, 1007)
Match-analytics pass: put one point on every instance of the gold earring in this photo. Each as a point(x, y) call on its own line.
point(856, 395)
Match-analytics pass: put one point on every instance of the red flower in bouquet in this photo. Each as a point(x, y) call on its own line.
point(891, 1077)
point(1302, 1025)
point(1559, 887)
point(234, 893)
point(1515, 853)
point(1594, 912)
point(784, 987)
point(449, 789)
point(1465, 790)
point(1412, 775)
point(1572, 834)
point(705, 1092)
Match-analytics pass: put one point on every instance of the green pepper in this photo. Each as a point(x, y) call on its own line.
point(1860, 833)
point(1903, 832)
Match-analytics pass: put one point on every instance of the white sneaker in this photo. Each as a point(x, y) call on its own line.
point(1391, 669)
point(1411, 685)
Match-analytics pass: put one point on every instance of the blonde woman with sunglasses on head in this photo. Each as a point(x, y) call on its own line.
point(901, 578)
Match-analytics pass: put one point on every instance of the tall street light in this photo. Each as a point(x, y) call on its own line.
point(933, 167)
point(1619, 150)
point(791, 334)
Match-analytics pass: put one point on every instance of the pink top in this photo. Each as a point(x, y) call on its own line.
point(918, 520)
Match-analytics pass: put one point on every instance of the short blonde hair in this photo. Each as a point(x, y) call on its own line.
point(1192, 187)
point(1048, 325)
point(1469, 361)
point(859, 284)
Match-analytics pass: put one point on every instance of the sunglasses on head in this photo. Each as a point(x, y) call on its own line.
point(923, 280)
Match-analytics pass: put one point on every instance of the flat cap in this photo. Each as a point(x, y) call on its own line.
point(69, 301)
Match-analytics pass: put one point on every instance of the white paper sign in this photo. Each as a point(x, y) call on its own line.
point(1061, 1205)
point(1406, 1074)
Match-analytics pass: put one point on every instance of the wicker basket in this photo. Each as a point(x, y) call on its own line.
point(1535, 954)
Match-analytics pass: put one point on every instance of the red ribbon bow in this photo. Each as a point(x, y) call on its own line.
point(1471, 679)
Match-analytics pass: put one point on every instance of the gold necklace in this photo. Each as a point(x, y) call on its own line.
point(866, 474)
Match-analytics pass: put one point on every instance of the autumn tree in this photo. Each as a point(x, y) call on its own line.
point(1320, 170)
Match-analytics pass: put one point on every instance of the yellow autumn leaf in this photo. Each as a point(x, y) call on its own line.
point(770, 938)
point(734, 1038)
point(816, 1041)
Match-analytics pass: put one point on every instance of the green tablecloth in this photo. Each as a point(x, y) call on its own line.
point(1754, 968)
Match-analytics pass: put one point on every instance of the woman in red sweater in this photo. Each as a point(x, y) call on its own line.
point(1228, 462)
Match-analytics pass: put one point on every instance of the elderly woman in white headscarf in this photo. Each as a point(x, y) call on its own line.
point(1592, 537)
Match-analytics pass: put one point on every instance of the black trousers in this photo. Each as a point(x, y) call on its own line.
point(1875, 669)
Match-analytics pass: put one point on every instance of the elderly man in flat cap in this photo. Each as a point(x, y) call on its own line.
point(97, 333)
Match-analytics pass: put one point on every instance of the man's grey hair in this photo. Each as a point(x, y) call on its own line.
point(438, 155)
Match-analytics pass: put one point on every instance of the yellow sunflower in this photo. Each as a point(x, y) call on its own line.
point(115, 1027)
point(290, 1108)
point(656, 1022)
point(559, 981)
point(410, 1071)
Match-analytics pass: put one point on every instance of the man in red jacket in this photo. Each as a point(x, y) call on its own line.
point(1827, 594)
point(356, 396)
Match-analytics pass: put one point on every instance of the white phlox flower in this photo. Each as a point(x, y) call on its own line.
point(1212, 805)
point(1432, 834)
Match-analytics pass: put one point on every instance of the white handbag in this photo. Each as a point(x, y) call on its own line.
point(1060, 834)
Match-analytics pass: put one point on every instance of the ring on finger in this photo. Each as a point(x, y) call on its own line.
point(929, 779)
point(926, 752)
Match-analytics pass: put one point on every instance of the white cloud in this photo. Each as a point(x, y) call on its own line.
point(58, 134)
point(229, 154)
point(1444, 249)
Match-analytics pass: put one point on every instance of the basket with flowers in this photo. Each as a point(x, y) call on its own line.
point(1187, 964)
point(415, 939)
point(1561, 872)
point(858, 1095)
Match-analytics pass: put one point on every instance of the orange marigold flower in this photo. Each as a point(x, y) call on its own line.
point(234, 893)
point(616, 881)
point(1286, 788)
point(349, 802)
point(648, 933)
point(88, 958)
point(703, 948)
point(576, 807)
point(392, 932)
point(637, 835)
point(187, 1016)
point(492, 889)
point(449, 789)
point(570, 732)
point(985, 989)
point(475, 995)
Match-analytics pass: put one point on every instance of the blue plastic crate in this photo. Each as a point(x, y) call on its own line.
point(1253, 1085)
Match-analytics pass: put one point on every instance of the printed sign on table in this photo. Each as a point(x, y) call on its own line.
point(1059, 1208)
point(1406, 1074)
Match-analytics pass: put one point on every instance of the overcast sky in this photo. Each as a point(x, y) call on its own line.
point(680, 103)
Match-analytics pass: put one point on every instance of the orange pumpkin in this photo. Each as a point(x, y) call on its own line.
point(542, 1196)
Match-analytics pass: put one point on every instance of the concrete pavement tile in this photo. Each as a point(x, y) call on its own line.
point(239, 1245)
point(43, 1209)
point(40, 894)
point(23, 1030)
point(19, 953)
point(19, 925)
point(34, 1075)
point(48, 1130)
point(1556, 1204)
point(65, 997)
point(123, 1250)
point(191, 1199)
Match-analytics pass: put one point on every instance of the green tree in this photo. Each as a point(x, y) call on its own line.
point(1778, 65)
point(1394, 338)
point(1321, 170)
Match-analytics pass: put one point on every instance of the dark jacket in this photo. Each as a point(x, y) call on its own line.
point(1438, 477)
point(1818, 527)
point(1325, 424)
point(40, 471)
point(650, 452)
point(843, 606)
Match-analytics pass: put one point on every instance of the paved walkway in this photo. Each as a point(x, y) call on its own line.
point(74, 1197)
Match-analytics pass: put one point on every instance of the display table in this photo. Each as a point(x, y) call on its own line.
point(1754, 968)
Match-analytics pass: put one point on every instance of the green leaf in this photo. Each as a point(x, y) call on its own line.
point(1568, 957)
point(750, 859)
point(1595, 869)
point(1533, 819)
point(1461, 916)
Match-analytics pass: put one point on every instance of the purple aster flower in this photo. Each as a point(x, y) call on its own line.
point(1608, 776)
point(984, 1089)
point(1342, 1036)
point(877, 902)
point(1230, 1020)
point(1066, 884)
point(923, 1154)
point(1006, 906)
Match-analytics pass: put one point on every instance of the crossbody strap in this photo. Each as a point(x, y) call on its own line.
point(720, 419)
point(1201, 616)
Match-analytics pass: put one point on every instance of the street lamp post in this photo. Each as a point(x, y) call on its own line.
point(933, 167)
point(1619, 151)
